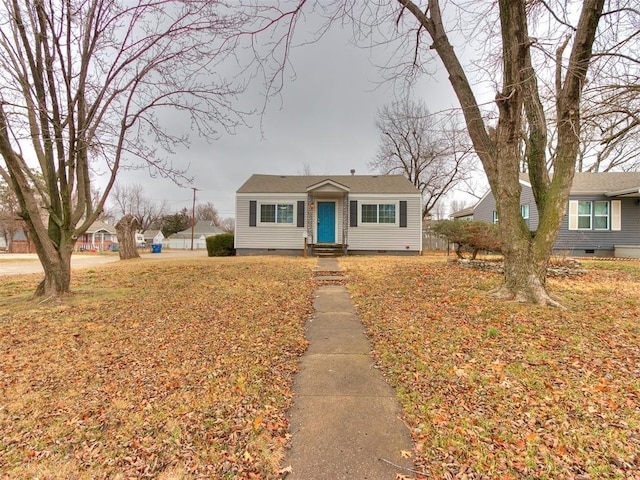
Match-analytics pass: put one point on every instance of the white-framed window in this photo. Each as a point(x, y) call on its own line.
point(584, 215)
point(524, 211)
point(595, 215)
point(378, 213)
point(601, 215)
point(276, 213)
point(495, 217)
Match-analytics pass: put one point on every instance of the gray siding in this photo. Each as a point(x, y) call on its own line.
point(526, 198)
point(484, 209)
point(575, 242)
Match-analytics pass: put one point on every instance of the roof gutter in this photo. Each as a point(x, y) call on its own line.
point(630, 192)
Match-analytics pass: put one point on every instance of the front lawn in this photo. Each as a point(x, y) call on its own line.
point(501, 390)
point(161, 369)
point(171, 369)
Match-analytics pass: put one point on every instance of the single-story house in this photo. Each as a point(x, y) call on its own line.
point(100, 236)
point(602, 216)
point(350, 214)
point(182, 240)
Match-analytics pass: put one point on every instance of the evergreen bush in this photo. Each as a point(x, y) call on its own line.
point(220, 245)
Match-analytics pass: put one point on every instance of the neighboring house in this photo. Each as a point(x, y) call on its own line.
point(153, 237)
point(353, 214)
point(21, 244)
point(182, 240)
point(602, 216)
point(100, 236)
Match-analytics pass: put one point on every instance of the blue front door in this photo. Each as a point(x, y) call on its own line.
point(326, 222)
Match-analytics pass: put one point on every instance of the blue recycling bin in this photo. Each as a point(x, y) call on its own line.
point(156, 248)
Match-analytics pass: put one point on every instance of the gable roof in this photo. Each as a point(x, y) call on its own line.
point(465, 212)
point(259, 183)
point(330, 183)
point(151, 234)
point(202, 227)
point(99, 225)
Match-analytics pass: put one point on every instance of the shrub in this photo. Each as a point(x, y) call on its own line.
point(469, 236)
point(220, 245)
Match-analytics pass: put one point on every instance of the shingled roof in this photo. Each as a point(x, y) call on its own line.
point(606, 182)
point(259, 183)
point(603, 183)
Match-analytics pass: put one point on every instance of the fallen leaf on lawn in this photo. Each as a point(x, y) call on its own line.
point(257, 422)
point(400, 476)
point(405, 453)
point(460, 373)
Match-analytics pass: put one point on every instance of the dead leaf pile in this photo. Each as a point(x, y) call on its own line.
point(493, 389)
point(152, 369)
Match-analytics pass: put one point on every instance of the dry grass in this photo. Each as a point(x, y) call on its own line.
point(152, 369)
point(175, 369)
point(503, 390)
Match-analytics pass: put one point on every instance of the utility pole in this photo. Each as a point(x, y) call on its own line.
point(193, 214)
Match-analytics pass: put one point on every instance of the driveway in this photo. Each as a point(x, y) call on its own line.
point(23, 263)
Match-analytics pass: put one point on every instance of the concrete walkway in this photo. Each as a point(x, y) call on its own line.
point(345, 421)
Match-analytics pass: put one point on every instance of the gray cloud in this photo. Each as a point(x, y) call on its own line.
point(324, 118)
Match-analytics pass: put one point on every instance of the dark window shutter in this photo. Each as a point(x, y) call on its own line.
point(300, 213)
point(403, 213)
point(253, 208)
point(353, 213)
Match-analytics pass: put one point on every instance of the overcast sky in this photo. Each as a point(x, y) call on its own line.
point(324, 121)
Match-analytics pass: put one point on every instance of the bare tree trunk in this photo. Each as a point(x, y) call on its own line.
point(57, 275)
point(78, 111)
point(525, 255)
point(126, 232)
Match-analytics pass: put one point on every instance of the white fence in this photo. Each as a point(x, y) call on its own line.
point(434, 242)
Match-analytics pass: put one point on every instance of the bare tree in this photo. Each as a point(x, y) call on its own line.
point(526, 256)
point(228, 224)
point(612, 129)
point(126, 232)
point(306, 169)
point(207, 211)
point(131, 200)
point(82, 88)
point(611, 100)
point(432, 151)
point(10, 221)
point(457, 205)
point(543, 46)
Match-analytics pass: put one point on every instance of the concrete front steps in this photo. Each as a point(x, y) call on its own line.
point(327, 250)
